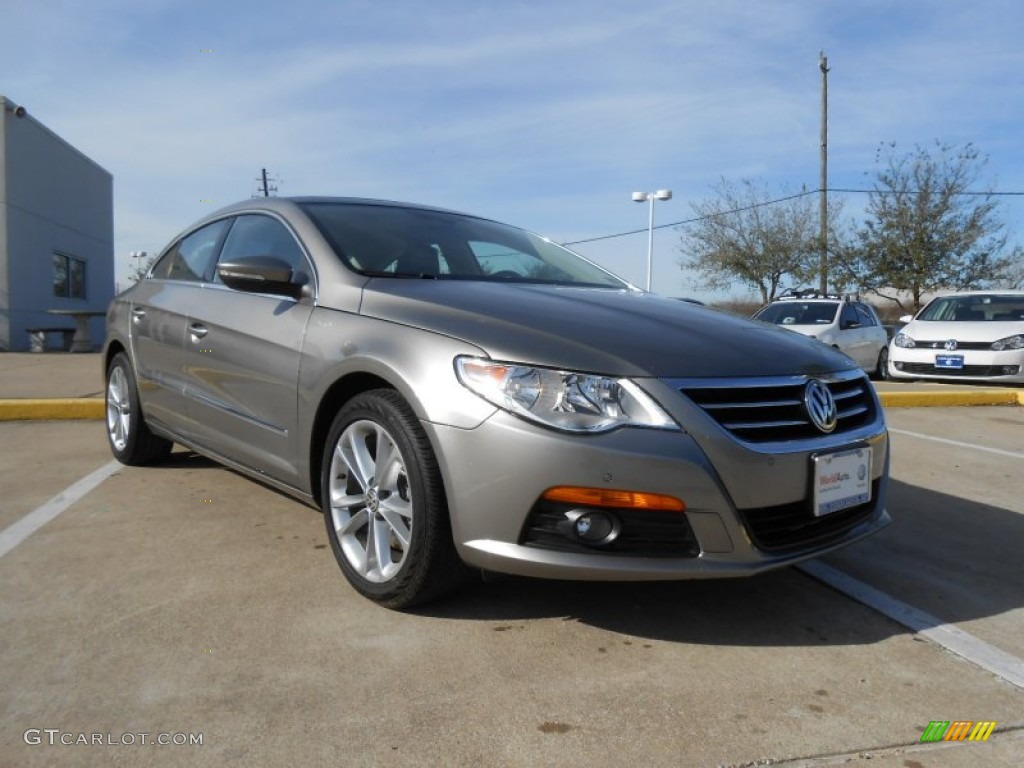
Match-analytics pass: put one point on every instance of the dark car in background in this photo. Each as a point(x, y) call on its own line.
point(453, 392)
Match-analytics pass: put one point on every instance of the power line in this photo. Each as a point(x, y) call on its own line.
point(914, 192)
point(697, 218)
point(764, 203)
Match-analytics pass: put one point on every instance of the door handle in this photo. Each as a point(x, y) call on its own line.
point(198, 331)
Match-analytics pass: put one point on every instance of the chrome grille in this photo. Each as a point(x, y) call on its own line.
point(772, 410)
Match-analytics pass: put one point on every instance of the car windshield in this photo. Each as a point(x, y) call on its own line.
point(397, 242)
point(976, 308)
point(799, 313)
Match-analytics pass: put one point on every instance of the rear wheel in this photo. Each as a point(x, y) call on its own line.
point(384, 504)
point(131, 441)
point(882, 370)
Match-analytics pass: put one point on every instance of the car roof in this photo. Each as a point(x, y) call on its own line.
point(988, 292)
point(289, 203)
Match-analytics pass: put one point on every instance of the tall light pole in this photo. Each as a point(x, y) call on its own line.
point(643, 197)
point(138, 256)
point(823, 206)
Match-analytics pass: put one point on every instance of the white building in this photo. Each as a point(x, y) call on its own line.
point(56, 232)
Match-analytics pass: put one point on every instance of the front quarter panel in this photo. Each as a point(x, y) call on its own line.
point(418, 364)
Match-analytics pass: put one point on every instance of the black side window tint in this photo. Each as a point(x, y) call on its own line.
point(192, 258)
point(849, 315)
point(263, 236)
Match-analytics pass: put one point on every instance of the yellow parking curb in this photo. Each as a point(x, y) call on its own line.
point(50, 409)
point(939, 399)
point(27, 409)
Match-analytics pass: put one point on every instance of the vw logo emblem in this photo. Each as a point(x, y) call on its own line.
point(372, 499)
point(820, 405)
point(950, 345)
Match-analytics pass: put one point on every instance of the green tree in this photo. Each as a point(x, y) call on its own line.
point(743, 235)
point(927, 227)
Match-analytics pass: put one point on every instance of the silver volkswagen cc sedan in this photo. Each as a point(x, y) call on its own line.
point(455, 393)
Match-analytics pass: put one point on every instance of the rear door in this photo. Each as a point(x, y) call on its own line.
point(852, 336)
point(159, 316)
point(875, 338)
point(243, 353)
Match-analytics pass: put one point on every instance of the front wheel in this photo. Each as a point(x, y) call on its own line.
point(131, 440)
point(384, 504)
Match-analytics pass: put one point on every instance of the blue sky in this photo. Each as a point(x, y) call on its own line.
point(543, 114)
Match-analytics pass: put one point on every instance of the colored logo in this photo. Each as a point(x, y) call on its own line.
point(958, 730)
point(820, 405)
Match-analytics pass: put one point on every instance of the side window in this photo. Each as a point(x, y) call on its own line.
point(254, 235)
point(192, 257)
point(866, 316)
point(849, 316)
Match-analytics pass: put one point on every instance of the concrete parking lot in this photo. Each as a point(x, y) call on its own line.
point(186, 602)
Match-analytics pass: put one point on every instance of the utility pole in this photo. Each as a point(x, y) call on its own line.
point(266, 186)
point(823, 64)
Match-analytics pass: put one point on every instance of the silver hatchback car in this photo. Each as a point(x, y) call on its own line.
point(455, 393)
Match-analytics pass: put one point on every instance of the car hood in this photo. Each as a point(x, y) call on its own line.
point(931, 330)
point(622, 333)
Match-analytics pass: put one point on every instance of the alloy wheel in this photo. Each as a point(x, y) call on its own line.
point(371, 506)
point(119, 409)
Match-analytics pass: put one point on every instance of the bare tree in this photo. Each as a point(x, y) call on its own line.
point(1014, 277)
point(138, 272)
point(745, 236)
point(926, 227)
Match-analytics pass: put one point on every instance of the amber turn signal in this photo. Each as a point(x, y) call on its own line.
point(602, 497)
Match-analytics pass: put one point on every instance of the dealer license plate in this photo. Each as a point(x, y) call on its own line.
point(955, 362)
point(841, 480)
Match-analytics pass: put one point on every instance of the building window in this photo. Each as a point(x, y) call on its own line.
point(68, 276)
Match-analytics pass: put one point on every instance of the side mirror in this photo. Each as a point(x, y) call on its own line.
point(263, 274)
point(906, 318)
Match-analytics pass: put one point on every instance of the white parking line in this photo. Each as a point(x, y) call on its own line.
point(17, 532)
point(1007, 666)
point(957, 443)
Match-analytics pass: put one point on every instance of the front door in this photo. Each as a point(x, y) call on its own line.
point(243, 352)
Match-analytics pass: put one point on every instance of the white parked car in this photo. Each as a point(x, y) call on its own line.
point(976, 335)
point(850, 326)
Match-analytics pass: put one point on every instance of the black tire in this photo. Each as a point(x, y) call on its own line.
point(130, 439)
point(881, 372)
point(408, 488)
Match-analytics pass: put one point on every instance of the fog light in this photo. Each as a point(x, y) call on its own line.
point(594, 526)
point(1010, 370)
point(899, 366)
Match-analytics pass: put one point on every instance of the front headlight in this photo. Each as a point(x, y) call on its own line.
point(1010, 342)
point(564, 400)
point(902, 340)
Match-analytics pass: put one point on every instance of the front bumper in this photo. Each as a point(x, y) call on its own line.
point(1006, 366)
point(495, 474)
